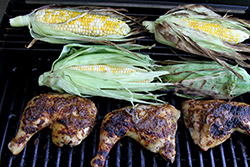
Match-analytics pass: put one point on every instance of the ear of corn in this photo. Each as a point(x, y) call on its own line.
point(198, 30)
point(110, 69)
point(76, 24)
point(99, 70)
point(208, 79)
point(227, 34)
point(103, 68)
point(82, 23)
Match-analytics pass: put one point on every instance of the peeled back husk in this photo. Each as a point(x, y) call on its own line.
point(47, 32)
point(123, 86)
point(169, 30)
point(205, 79)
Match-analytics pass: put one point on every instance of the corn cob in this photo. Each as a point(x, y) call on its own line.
point(77, 24)
point(109, 69)
point(227, 34)
point(198, 30)
point(87, 24)
point(104, 70)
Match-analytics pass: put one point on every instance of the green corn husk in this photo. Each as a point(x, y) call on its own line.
point(169, 30)
point(45, 32)
point(106, 84)
point(205, 79)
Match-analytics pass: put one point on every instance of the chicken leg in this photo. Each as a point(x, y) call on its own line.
point(154, 127)
point(71, 119)
point(211, 122)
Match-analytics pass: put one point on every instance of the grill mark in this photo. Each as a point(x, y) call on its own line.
point(29, 129)
point(202, 84)
point(117, 125)
point(99, 162)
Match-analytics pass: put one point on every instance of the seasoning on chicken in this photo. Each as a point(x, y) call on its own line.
point(152, 126)
point(71, 119)
point(211, 122)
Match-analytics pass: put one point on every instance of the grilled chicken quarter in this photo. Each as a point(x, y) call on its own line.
point(211, 122)
point(71, 119)
point(154, 127)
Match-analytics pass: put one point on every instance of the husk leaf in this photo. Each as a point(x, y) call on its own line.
point(201, 79)
point(121, 86)
point(167, 31)
point(46, 32)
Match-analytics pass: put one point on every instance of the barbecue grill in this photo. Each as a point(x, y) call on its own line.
point(19, 71)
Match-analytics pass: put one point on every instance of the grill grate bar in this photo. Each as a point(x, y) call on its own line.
point(71, 149)
point(233, 153)
point(107, 161)
point(188, 149)
point(82, 152)
point(223, 156)
point(94, 145)
point(118, 154)
point(47, 151)
point(211, 151)
point(10, 115)
point(22, 163)
point(201, 158)
point(142, 157)
point(36, 151)
point(58, 159)
point(130, 154)
point(243, 151)
point(10, 161)
point(154, 162)
point(177, 156)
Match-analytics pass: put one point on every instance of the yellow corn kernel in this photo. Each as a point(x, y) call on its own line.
point(107, 68)
point(96, 25)
point(103, 68)
point(227, 34)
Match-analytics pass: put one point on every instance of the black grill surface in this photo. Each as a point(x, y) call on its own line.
point(21, 67)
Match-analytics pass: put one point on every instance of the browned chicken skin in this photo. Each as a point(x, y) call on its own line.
point(211, 122)
point(154, 127)
point(71, 119)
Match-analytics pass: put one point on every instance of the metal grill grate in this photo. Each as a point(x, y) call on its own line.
point(19, 71)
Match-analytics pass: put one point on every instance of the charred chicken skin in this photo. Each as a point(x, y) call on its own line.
point(154, 127)
point(71, 119)
point(211, 122)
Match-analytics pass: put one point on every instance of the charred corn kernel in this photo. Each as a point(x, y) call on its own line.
point(227, 34)
point(75, 20)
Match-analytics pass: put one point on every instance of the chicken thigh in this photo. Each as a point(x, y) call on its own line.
point(71, 119)
point(211, 122)
point(152, 126)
